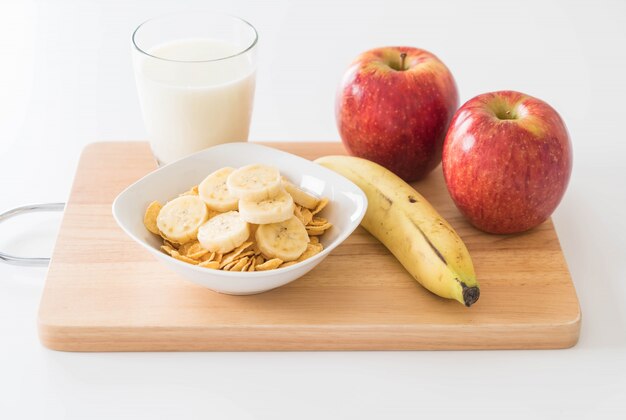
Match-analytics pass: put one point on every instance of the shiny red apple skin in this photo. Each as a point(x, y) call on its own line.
point(507, 175)
point(396, 118)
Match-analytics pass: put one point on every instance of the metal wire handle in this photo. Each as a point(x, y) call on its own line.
point(31, 208)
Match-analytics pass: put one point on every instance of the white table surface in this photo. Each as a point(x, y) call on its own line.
point(66, 81)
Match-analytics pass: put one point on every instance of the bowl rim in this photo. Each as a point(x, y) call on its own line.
point(354, 223)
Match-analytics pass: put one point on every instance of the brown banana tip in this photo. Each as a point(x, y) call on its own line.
point(470, 295)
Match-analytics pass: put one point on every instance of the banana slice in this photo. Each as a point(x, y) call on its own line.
point(300, 196)
point(254, 182)
point(214, 192)
point(180, 218)
point(285, 240)
point(224, 232)
point(271, 210)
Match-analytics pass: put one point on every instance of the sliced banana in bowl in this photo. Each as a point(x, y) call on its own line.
point(254, 182)
point(286, 240)
point(270, 210)
point(180, 219)
point(214, 191)
point(224, 232)
point(211, 221)
point(300, 197)
point(200, 227)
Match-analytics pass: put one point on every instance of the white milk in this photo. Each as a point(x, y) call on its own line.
point(189, 106)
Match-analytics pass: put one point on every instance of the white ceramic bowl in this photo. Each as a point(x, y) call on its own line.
point(345, 210)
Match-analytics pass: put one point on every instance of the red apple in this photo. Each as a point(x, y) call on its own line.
point(507, 160)
point(394, 106)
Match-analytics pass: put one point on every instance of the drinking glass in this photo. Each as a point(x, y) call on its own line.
point(195, 75)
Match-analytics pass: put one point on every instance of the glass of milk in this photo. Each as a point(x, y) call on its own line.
point(195, 74)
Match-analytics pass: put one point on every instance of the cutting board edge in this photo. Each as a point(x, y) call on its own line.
point(307, 338)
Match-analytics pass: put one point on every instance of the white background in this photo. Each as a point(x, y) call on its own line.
point(66, 80)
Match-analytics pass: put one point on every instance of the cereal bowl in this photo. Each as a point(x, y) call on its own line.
point(345, 210)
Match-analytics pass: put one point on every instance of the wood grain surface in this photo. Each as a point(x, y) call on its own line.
point(105, 293)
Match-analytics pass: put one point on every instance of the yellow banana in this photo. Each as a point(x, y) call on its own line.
point(405, 222)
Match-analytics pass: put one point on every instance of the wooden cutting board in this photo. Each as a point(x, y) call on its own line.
point(105, 293)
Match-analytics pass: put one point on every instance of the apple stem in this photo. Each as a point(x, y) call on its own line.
point(402, 59)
